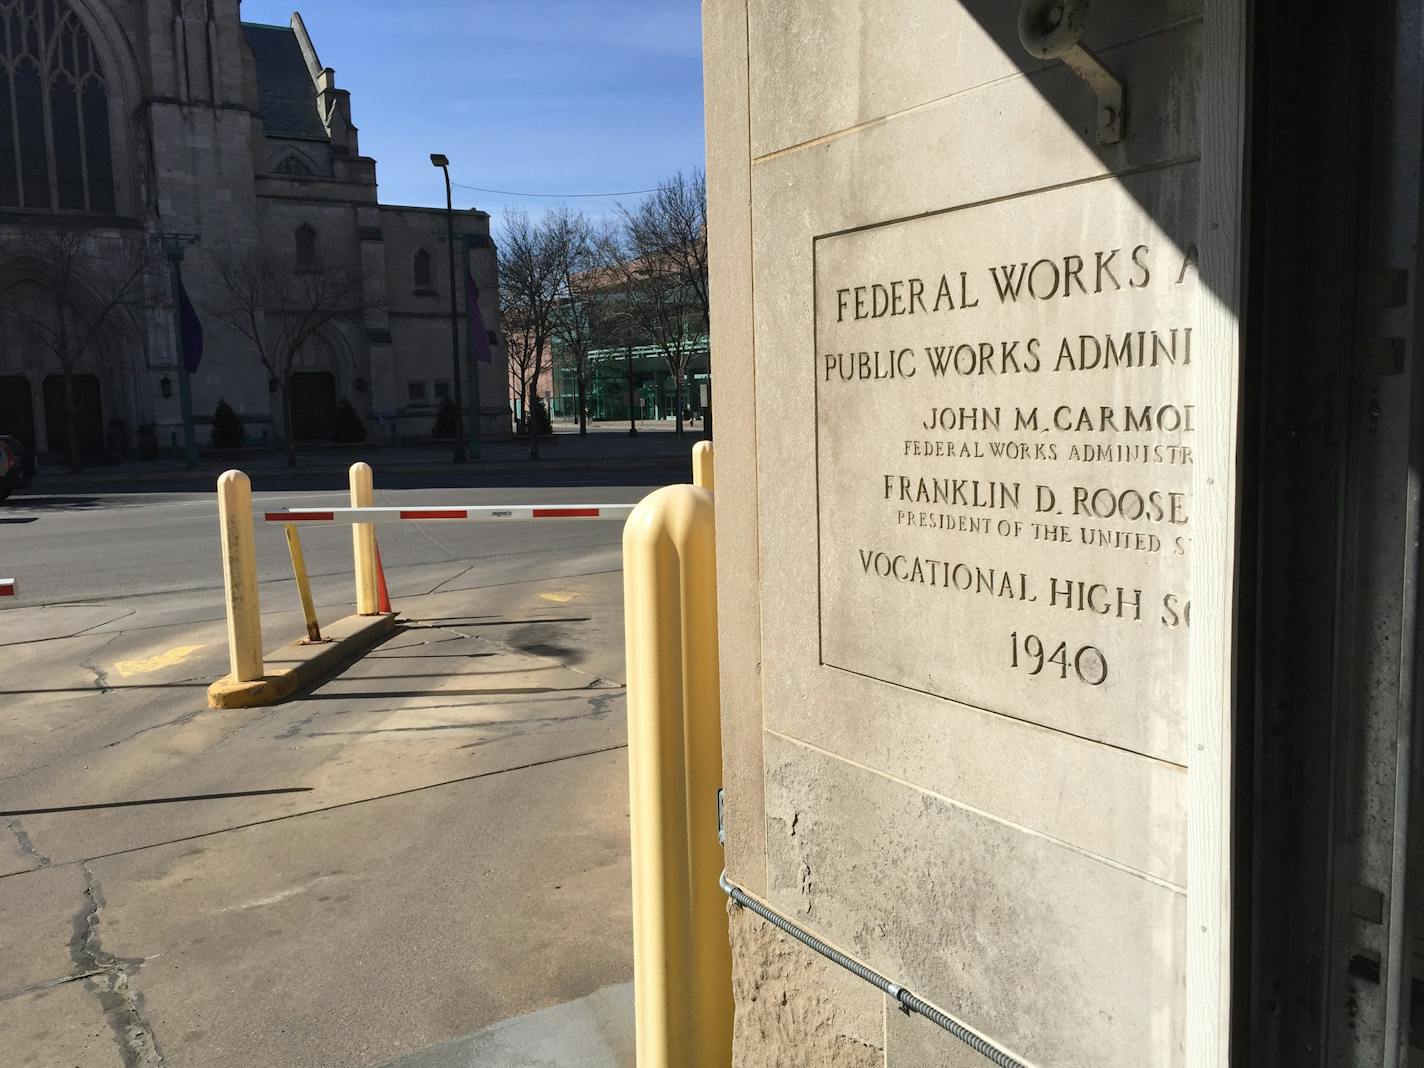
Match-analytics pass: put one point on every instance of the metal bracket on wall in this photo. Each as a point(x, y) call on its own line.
point(1053, 29)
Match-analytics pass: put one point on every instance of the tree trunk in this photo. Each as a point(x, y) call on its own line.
point(71, 422)
point(583, 400)
point(677, 398)
point(530, 421)
point(290, 438)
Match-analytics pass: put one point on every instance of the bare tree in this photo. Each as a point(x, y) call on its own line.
point(530, 273)
point(665, 272)
point(670, 227)
point(575, 321)
point(280, 306)
point(67, 289)
point(519, 348)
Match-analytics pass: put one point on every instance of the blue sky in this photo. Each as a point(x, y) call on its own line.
point(557, 96)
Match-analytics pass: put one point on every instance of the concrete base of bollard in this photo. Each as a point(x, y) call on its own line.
point(298, 665)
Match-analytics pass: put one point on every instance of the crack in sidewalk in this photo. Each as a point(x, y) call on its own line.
point(27, 847)
point(107, 977)
point(91, 663)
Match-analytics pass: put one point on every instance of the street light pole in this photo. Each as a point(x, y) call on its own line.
point(173, 248)
point(459, 394)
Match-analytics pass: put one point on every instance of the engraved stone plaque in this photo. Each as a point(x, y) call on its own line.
point(1004, 448)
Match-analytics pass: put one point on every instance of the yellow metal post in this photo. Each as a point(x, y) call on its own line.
point(244, 617)
point(299, 572)
point(363, 540)
point(702, 465)
point(682, 965)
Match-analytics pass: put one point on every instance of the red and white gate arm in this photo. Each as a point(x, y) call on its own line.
point(7, 588)
point(498, 513)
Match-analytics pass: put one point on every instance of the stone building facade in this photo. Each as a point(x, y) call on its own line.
point(138, 119)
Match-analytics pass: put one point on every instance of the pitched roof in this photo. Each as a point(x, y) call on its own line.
point(286, 96)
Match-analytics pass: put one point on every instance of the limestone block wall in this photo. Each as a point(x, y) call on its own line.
point(420, 317)
point(1023, 869)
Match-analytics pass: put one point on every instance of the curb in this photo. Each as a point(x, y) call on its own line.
point(299, 665)
point(86, 481)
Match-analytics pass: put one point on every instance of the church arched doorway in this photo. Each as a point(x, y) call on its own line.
point(313, 405)
point(315, 387)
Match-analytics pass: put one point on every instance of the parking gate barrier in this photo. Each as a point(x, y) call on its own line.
point(303, 661)
point(487, 513)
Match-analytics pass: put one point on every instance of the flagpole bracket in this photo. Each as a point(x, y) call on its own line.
point(1053, 29)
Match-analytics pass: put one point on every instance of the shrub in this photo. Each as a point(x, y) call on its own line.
point(348, 426)
point(444, 427)
point(228, 429)
point(539, 422)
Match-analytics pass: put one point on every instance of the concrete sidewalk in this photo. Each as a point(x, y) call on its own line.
point(595, 1031)
point(606, 448)
point(430, 844)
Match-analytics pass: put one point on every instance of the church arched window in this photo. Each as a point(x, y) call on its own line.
point(424, 276)
point(54, 111)
point(294, 167)
point(306, 246)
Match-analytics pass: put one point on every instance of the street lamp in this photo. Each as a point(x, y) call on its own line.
point(459, 394)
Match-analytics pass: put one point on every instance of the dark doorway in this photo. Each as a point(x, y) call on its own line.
point(88, 412)
point(313, 405)
point(17, 409)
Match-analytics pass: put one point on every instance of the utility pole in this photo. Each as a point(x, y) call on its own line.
point(173, 246)
point(443, 163)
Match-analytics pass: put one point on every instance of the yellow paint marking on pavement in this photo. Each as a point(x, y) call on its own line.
point(173, 656)
point(559, 596)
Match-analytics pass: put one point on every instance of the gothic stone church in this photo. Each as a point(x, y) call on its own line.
point(140, 118)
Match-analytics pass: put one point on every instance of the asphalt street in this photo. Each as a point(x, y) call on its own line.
point(83, 547)
point(429, 844)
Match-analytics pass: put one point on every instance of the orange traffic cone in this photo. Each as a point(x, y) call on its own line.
point(383, 595)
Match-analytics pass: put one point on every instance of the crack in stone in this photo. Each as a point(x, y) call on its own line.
point(27, 847)
point(107, 977)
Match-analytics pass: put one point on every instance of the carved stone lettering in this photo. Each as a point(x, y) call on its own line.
point(1005, 420)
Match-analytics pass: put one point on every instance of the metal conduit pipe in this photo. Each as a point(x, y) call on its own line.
point(908, 1001)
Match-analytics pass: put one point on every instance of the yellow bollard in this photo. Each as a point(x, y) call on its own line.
point(682, 964)
point(702, 465)
point(299, 572)
point(244, 617)
point(363, 540)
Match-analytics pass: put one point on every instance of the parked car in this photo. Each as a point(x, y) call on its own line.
point(25, 457)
